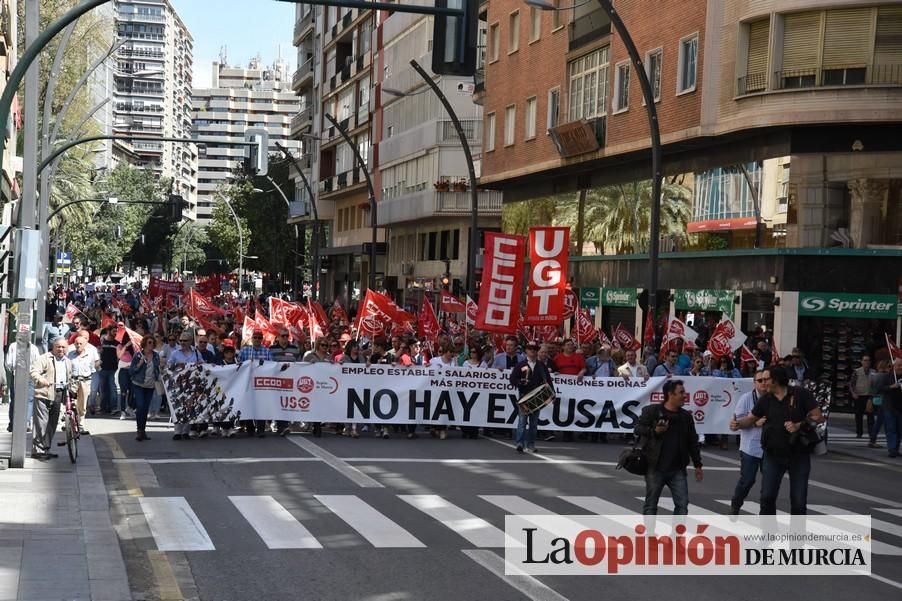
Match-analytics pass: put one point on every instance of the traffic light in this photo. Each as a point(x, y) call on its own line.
point(455, 39)
point(256, 156)
point(176, 204)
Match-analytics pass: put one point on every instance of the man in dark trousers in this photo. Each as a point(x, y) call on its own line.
point(670, 443)
point(526, 376)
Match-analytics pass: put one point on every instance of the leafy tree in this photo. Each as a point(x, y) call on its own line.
point(188, 248)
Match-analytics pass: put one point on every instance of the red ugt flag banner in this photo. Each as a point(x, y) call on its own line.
point(585, 329)
point(502, 280)
point(548, 250)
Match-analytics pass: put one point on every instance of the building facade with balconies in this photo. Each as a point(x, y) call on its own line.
point(422, 171)
point(803, 95)
point(152, 91)
point(239, 98)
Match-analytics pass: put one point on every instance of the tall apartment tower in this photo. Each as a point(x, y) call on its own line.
point(239, 98)
point(152, 95)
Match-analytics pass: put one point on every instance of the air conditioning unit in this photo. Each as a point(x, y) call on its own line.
point(407, 268)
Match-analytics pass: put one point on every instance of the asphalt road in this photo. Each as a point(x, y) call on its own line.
point(393, 520)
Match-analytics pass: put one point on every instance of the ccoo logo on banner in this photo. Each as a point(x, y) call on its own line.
point(502, 280)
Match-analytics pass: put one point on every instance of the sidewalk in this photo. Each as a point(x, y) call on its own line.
point(841, 440)
point(56, 538)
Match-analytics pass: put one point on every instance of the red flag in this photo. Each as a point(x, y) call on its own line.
point(498, 340)
point(427, 324)
point(648, 336)
point(571, 303)
point(523, 329)
point(375, 315)
point(316, 309)
point(278, 310)
point(746, 355)
point(725, 339)
point(71, 312)
point(585, 329)
point(679, 330)
point(894, 351)
point(502, 280)
point(106, 321)
point(454, 328)
point(199, 305)
point(472, 310)
point(263, 325)
point(247, 330)
point(625, 338)
point(339, 313)
point(547, 333)
point(604, 340)
point(450, 304)
point(548, 251)
point(133, 336)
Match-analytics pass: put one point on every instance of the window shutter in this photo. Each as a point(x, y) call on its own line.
point(801, 35)
point(847, 37)
point(888, 47)
point(758, 34)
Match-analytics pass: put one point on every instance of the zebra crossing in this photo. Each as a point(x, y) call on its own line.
point(175, 526)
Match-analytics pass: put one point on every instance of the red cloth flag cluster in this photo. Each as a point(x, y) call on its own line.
point(585, 329)
point(377, 312)
point(428, 326)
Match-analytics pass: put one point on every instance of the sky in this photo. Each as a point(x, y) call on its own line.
point(245, 32)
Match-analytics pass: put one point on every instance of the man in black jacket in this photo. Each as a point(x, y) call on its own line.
point(670, 443)
point(526, 376)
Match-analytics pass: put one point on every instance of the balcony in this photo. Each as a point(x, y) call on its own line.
point(303, 26)
point(430, 134)
point(302, 76)
point(124, 107)
point(588, 27)
point(833, 76)
point(302, 122)
point(140, 18)
point(141, 52)
point(428, 203)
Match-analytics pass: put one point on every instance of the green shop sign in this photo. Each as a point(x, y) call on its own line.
point(704, 300)
point(618, 297)
point(588, 297)
point(837, 304)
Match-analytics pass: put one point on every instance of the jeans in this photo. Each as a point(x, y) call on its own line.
point(861, 404)
point(893, 421)
point(772, 470)
point(527, 436)
point(679, 490)
point(142, 398)
point(874, 431)
point(156, 402)
point(95, 390)
point(109, 399)
point(748, 470)
point(125, 385)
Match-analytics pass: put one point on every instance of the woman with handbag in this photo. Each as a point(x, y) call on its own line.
point(144, 372)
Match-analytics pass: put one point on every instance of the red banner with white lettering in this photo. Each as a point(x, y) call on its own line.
point(625, 338)
point(472, 310)
point(571, 303)
point(450, 304)
point(427, 324)
point(160, 287)
point(374, 316)
point(502, 280)
point(548, 252)
point(585, 328)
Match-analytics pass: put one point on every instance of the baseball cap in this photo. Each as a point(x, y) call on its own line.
point(228, 343)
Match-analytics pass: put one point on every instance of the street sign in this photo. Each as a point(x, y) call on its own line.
point(618, 297)
point(838, 304)
point(63, 262)
point(588, 297)
point(704, 300)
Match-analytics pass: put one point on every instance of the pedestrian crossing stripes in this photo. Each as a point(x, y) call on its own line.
point(176, 527)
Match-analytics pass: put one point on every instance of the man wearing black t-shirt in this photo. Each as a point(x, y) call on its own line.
point(670, 443)
point(109, 363)
point(787, 411)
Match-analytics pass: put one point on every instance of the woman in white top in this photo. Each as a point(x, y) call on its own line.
point(473, 358)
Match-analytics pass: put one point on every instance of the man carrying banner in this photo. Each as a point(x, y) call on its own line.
point(632, 368)
point(526, 376)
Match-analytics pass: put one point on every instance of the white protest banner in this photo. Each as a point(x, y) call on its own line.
point(458, 396)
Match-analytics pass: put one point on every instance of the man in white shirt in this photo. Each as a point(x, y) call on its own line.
point(85, 362)
point(632, 368)
point(10, 364)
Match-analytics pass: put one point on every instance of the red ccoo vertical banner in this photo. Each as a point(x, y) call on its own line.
point(502, 280)
point(548, 251)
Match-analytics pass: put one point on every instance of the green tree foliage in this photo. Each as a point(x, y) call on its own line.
point(188, 248)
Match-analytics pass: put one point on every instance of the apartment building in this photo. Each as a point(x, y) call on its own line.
point(255, 96)
point(804, 94)
point(335, 77)
point(152, 96)
point(423, 178)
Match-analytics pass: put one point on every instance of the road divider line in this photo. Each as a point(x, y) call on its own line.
point(174, 525)
point(134, 460)
point(273, 523)
point(372, 525)
point(338, 464)
point(525, 584)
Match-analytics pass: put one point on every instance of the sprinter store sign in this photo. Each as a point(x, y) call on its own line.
point(835, 304)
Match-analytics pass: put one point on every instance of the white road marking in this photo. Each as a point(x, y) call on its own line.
point(370, 523)
point(476, 530)
point(217, 460)
point(274, 524)
point(667, 503)
point(527, 585)
point(876, 524)
point(340, 465)
point(896, 512)
point(598, 506)
point(174, 525)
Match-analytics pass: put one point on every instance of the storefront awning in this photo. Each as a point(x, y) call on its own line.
point(722, 225)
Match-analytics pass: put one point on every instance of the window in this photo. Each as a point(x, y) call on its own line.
point(513, 33)
point(557, 20)
point(531, 118)
point(554, 107)
point(688, 64)
point(589, 85)
point(653, 61)
point(847, 34)
point(756, 62)
point(800, 55)
point(494, 41)
point(490, 132)
point(622, 87)
point(535, 24)
point(510, 122)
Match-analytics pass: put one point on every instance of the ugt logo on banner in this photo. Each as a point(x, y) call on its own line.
point(548, 250)
point(502, 279)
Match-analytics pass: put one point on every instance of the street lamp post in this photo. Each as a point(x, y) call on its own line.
point(240, 240)
point(277, 188)
point(316, 225)
point(372, 193)
point(654, 132)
